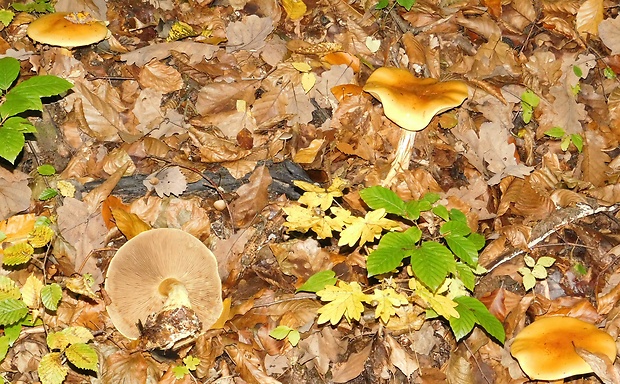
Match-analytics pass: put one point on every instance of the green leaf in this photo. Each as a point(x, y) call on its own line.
point(462, 325)
point(318, 281)
point(577, 71)
point(463, 249)
point(2, 236)
point(191, 362)
point(442, 212)
point(529, 281)
point(482, 316)
point(577, 141)
point(51, 295)
point(529, 101)
point(609, 73)
point(20, 124)
point(407, 4)
point(556, 132)
point(12, 143)
point(4, 347)
point(565, 143)
point(6, 17)
point(16, 103)
point(380, 197)
point(180, 371)
point(46, 170)
point(393, 248)
point(9, 69)
point(431, 198)
point(51, 370)
point(545, 261)
point(12, 311)
point(82, 356)
point(70, 335)
point(458, 228)
point(42, 86)
point(539, 272)
point(382, 4)
point(527, 114)
point(431, 263)
point(280, 332)
point(47, 194)
point(466, 275)
point(12, 332)
point(478, 240)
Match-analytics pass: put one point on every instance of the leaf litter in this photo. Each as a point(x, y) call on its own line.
point(150, 116)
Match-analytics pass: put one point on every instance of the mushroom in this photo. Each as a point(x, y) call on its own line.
point(167, 280)
point(545, 349)
point(67, 29)
point(411, 103)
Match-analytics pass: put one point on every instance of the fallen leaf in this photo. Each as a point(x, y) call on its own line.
point(249, 34)
point(609, 32)
point(253, 197)
point(14, 193)
point(166, 182)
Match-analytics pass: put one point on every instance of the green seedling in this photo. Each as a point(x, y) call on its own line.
point(566, 139)
point(535, 270)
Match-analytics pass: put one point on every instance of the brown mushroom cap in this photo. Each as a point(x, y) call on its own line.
point(66, 29)
point(545, 349)
point(144, 270)
point(412, 102)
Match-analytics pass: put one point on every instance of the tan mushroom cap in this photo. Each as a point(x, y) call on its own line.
point(141, 272)
point(545, 349)
point(412, 102)
point(66, 29)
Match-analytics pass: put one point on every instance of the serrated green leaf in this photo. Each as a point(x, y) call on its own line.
point(9, 67)
point(431, 263)
point(382, 4)
point(12, 143)
point(42, 86)
point(442, 212)
point(458, 215)
point(577, 141)
point(46, 170)
point(393, 248)
point(180, 371)
point(318, 281)
point(481, 315)
point(70, 335)
point(12, 311)
point(431, 198)
point(545, 261)
point(464, 249)
point(82, 356)
point(280, 332)
point(455, 227)
point(51, 295)
point(6, 17)
point(466, 275)
point(17, 254)
point(378, 197)
point(12, 332)
point(15, 103)
point(51, 370)
point(9, 289)
point(555, 132)
point(47, 194)
point(4, 347)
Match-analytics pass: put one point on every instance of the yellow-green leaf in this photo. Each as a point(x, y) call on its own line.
point(8, 289)
point(82, 356)
point(51, 370)
point(387, 300)
point(295, 9)
point(40, 236)
point(71, 335)
point(31, 292)
point(344, 300)
point(17, 254)
point(51, 295)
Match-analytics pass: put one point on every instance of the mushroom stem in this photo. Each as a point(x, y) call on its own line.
point(402, 157)
point(177, 295)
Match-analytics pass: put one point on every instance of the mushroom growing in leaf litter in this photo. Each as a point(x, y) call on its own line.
point(167, 281)
point(411, 103)
point(67, 29)
point(545, 349)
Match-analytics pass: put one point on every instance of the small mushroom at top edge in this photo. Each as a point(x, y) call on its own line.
point(168, 281)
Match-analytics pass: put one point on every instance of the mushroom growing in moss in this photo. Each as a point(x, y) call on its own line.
point(67, 29)
point(411, 103)
point(545, 349)
point(167, 280)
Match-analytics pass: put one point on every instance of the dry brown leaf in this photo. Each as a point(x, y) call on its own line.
point(601, 365)
point(609, 31)
point(95, 197)
point(216, 150)
point(129, 368)
point(299, 105)
point(219, 97)
point(248, 34)
point(166, 182)
point(401, 358)
point(500, 302)
point(253, 197)
point(186, 214)
point(589, 17)
point(609, 194)
point(595, 161)
point(322, 348)
point(301, 259)
point(336, 75)
point(483, 25)
point(308, 155)
point(160, 77)
point(249, 364)
point(14, 192)
point(353, 367)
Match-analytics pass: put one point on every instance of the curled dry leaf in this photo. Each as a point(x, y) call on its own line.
point(160, 77)
point(253, 197)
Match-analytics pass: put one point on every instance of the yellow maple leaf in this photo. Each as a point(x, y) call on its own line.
point(345, 299)
point(366, 229)
point(320, 197)
point(387, 301)
point(302, 219)
point(439, 303)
